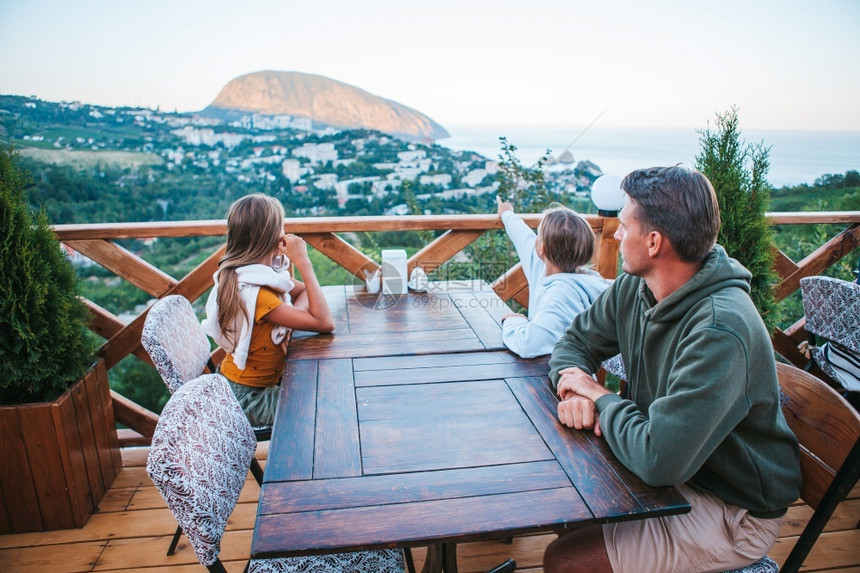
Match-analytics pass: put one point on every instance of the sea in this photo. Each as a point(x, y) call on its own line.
point(796, 157)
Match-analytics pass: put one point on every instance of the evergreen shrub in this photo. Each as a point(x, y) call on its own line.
point(44, 343)
point(738, 172)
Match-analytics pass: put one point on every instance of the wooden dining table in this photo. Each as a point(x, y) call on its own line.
point(411, 425)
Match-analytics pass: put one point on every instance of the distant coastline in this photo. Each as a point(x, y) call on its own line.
point(796, 156)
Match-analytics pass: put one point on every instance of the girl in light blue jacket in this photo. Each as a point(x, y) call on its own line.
point(560, 287)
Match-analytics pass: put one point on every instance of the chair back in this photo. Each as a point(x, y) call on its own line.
point(615, 366)
point(832, 309)
point(201, 450)
point(828, 430)
point(175, 341)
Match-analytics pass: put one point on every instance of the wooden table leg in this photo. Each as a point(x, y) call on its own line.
point(433, 560)
point(449, 553)
point(441, 557)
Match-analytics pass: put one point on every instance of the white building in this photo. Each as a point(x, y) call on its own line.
point(474, 177)
point(380, 188)
point(174, 155)
point(410, 173)
point(411, 156)
point(246, 163)
point(401, 209)
point(264, 122)
point(302, 123)
point(342, 187)
point(316, 152)
point(443, 179)
point(326, 181)
point(208, 137)
point(292, 170)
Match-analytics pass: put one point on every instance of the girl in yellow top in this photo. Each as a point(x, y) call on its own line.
point(254, 302)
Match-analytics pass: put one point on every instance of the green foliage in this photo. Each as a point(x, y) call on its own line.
point(831, 192)
point(44, 343)
point(525, 188)
point(522, 186)
point(492, 254)
point(414, 209)
point(327, 271)
point(139, 382)
point(738, 172)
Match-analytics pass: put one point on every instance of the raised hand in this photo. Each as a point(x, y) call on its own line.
point(503, 206)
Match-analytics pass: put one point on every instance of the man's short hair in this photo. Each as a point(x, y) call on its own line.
point(679, 203)
point(568, 240)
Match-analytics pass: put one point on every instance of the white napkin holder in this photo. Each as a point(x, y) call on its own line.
point(394, 271)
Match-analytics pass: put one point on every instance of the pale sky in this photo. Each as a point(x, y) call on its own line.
point(787, 64)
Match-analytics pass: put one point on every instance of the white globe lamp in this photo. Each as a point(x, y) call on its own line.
point(607, 195)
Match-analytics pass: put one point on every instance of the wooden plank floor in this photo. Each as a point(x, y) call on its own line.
point(132, 530)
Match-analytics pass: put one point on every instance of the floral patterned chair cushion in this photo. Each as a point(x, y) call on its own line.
point(615, 366)
point(201, 450)
point(382, 561)
point(175, 341)
point(832, 309)
point(763, 565)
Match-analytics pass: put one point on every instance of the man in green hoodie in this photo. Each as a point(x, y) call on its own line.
point(701, 408)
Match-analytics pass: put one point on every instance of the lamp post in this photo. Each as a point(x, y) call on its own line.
point(607, 195)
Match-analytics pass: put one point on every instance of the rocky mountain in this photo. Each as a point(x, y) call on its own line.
point(323, 100)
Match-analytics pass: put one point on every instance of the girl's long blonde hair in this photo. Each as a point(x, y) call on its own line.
point(255, 224)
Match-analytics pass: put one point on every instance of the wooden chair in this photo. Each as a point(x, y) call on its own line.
point(828, 430)
point(201, 450)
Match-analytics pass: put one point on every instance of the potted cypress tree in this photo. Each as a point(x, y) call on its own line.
point(58, 441)
point(738, 172)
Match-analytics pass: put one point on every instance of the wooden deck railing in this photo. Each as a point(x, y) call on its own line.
point(96, 241)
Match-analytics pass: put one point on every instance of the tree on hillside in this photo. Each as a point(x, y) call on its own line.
point(738, 171)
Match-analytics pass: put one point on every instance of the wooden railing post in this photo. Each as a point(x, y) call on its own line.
point(606, 247)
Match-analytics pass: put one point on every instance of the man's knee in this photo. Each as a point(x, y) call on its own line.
point(581, 550)
point(551, 557)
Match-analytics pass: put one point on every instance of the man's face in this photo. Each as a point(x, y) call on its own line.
point(633, 239)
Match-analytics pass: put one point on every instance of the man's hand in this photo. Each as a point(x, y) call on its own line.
point(576, 381)
point(503, 206)
point(580, 413)
point(578, 392)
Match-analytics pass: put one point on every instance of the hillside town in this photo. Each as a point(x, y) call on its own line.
point(343, 170)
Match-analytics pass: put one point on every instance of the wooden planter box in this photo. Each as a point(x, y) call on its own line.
point(58, 459)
